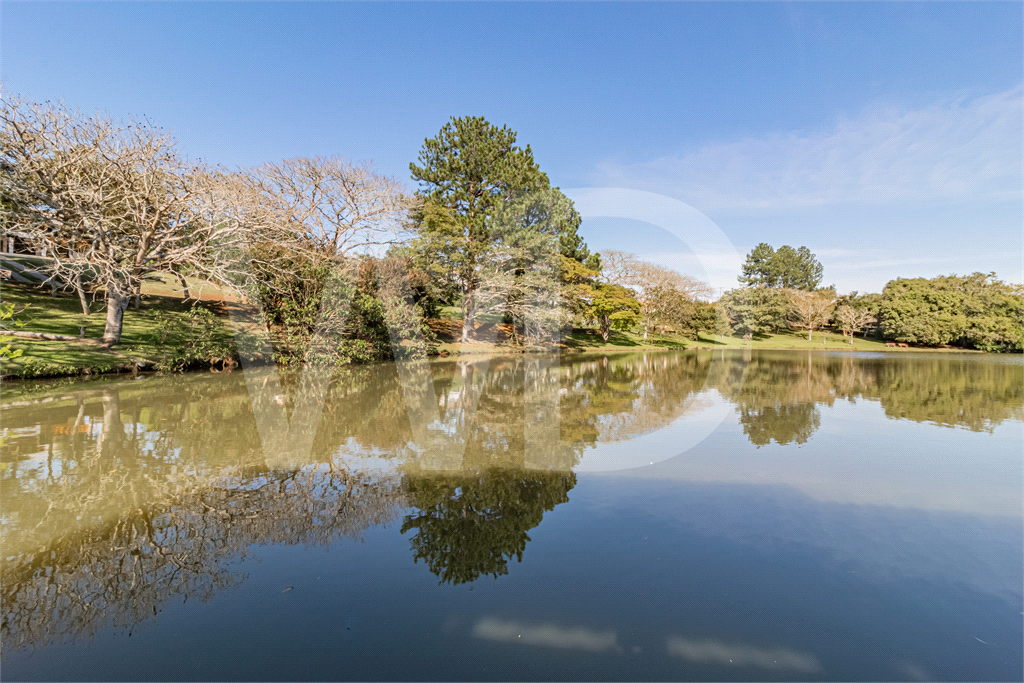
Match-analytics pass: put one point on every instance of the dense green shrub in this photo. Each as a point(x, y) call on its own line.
point(973, 311)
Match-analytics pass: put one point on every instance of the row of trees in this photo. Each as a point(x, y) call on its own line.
point(339, 258)
point(335, 254)
point(114, 204)
point(782, 292)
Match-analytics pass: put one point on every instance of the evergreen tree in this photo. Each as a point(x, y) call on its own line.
point(787, 268)
point(467, 173)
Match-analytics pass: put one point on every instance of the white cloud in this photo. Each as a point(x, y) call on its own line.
point(963, 149)
point(716, 652)
point(547, 635)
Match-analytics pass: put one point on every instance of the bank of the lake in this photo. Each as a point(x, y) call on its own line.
point(162, 306)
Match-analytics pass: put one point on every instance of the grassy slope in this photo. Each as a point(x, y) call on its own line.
point(62, 315)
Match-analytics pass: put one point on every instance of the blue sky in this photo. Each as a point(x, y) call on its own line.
point(887, 137)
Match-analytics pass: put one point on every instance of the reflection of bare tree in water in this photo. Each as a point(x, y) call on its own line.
point(76, 581)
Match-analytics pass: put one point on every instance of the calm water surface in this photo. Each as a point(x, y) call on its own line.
point(673, 516)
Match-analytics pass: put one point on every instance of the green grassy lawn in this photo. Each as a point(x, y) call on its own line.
point(590, 340)
point(797, 339)
point(62, 315)
point(450, 312)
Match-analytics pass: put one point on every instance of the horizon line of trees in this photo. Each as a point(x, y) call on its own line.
point(782, 292)
point(339, 258)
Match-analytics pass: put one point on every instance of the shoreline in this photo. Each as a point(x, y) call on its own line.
point(136, 368)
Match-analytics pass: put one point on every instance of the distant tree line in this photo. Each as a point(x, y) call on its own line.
point(782, 291)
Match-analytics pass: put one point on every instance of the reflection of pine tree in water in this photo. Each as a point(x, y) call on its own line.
point(468, 526)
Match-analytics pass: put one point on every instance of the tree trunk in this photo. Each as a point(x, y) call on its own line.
point(810, 330)
point(467, 322)
point(81, 295)
point(138, 294)
point(117, 302)
point(184, 286)
point(112, 437)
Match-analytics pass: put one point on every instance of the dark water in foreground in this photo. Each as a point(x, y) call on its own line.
point(768, 516)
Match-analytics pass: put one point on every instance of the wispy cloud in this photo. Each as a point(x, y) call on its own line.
point(547, 635)
point(953, 149)
point(716, 652)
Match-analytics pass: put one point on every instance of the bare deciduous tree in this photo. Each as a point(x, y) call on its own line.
point(650, 282)
point(853, 320)
point(116, 201)
point(810, 310)
point(865, 319)
point(339, 208)
point(846, 316)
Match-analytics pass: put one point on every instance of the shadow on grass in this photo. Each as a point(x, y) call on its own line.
point(591, 339)
point(62, 314)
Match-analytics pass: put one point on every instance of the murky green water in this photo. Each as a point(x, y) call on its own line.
point(707, 516)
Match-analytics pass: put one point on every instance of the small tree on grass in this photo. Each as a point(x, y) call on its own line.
point(614, 308)
point(810, 310)
point(852, 320)
point(661, 291)
point(846, 316)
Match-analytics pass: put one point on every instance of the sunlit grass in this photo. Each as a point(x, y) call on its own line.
point(62, 314)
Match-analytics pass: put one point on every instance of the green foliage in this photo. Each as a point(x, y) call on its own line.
point(197, 339)
point(869, 302)
point(782, 423)
point(756, 310)
point(471, 166)
point(441, 249)
point(472, 526)
point(976, 311)
point(37, 367)
point(674, 309)
point(758, 269)
point(487, 204)
point(614, 307)
point(350, 311)
point(699, 316)
point(787, 268)
point(7, 318)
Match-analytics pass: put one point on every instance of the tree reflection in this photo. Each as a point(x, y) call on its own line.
point(117, 496)
point(122, 572)
point(777, 395)
point(782, 423)
point(133, 499)
point(468, 526)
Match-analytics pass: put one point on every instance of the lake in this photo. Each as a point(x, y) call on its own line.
point(708, 515)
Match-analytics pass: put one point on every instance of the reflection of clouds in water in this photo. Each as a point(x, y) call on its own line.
point(914, 672)
point(713, 651)
point(547, 635)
